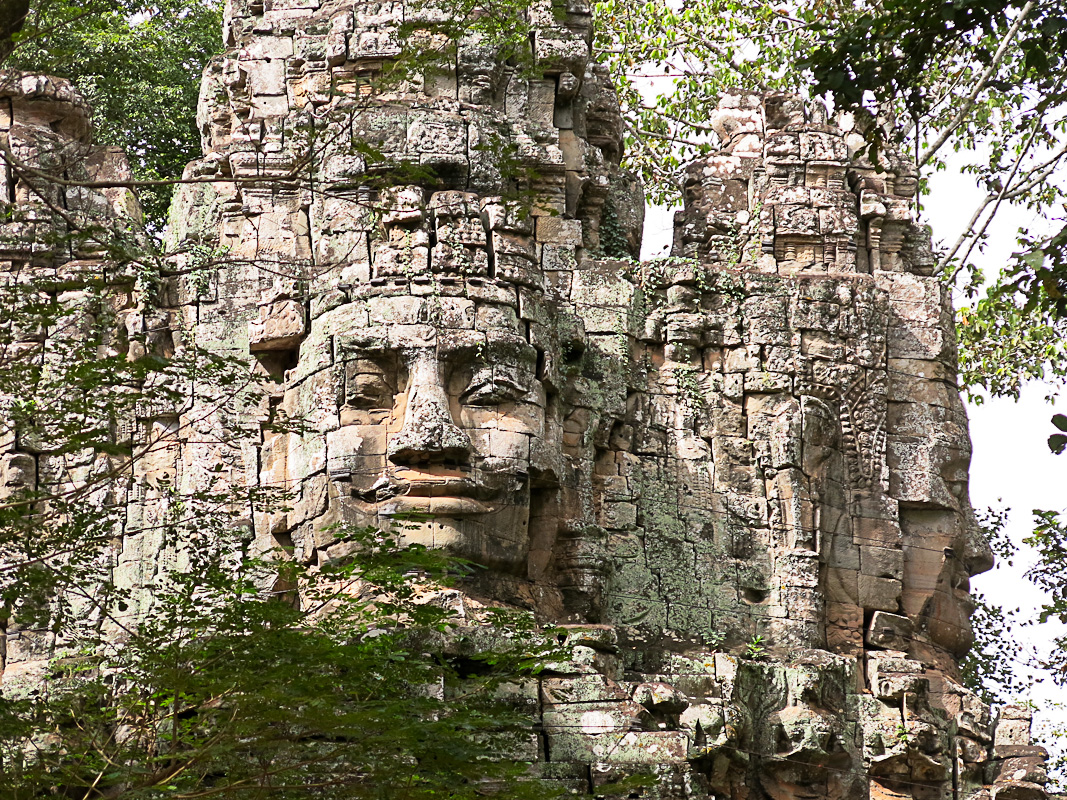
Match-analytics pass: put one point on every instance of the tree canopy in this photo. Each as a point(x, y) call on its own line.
point(138, 63)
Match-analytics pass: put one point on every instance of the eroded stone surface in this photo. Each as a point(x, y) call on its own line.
point(53, 247)
point(740, 475)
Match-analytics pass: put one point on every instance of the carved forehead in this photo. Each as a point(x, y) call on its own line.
point(494, 344)
point(451, 324)
point(449, 307)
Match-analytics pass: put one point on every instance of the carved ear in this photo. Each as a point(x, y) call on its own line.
point(544, 522)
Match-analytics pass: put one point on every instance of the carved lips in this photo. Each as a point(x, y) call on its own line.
point(436, 493)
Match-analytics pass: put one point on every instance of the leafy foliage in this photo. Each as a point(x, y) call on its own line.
point(345, 681)
point(888, 49)
point(1039, 276)
point(671, 64)
point(1057, 442)
point(138, 63)
point(990, 668)
point(754, 649)
point(1054, 737)
point(1002, 346)
point(1050, 540)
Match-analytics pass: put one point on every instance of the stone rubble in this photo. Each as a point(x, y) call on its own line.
point(738, 475)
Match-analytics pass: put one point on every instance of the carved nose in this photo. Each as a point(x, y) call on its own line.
point(429, 434)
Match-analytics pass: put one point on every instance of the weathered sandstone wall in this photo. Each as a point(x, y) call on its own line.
point(739, 473)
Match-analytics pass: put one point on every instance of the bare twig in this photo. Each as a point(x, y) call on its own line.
point(983, 81)
point(968, 232)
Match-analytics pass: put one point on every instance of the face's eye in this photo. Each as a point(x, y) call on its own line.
point(492, 386)
point(370, 392)
point(368, 387)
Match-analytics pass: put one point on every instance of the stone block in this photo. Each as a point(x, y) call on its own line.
point(820, 146)
point(373, 44)
point(844, 628)
point(889, 631)
point(891, 678)
point(1020, 763)
point(637, 747)
point(603, 638)
point(1018, 790)
point(1013, 727)
point(594, 718)
point(437, 133)
point(559, 51)
point(264, 106)
point(539, 104)
point(881, 562)
point(607, 320)
point(559, 231)
point(882, 594)
point(875, 531)
point(313, 500)
point(917, 342)
point(266, 77)
point(581, 689)
point(742, 359)
point(281, 326)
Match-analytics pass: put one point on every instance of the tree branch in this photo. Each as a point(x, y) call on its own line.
point(999, 198)
point(972, 97)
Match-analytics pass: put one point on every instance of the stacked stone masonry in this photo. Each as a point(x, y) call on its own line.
point(739, 475)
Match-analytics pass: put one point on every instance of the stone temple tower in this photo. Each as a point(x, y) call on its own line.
point(740, 474)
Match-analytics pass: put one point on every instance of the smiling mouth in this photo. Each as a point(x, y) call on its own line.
point(427, 493)
point(433, 506)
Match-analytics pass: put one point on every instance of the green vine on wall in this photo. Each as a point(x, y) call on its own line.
point(689, 388)
point(203, 264)
point(612, 235)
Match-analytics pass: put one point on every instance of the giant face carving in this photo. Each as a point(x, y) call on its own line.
point(444, 420)
point(943, 546)
point(400, 307)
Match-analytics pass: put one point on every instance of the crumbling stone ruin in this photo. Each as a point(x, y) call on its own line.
point(739, 474)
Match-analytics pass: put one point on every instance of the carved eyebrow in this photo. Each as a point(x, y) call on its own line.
point(374, 344)
point(518, 351)
point(369, 343)
point(500, 351)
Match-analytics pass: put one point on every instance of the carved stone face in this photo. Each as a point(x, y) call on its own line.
point(943, 548)
point(440, 425)
point(474, 181)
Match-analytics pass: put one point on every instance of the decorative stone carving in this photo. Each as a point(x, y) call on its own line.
point(739, 475)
